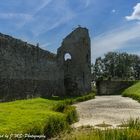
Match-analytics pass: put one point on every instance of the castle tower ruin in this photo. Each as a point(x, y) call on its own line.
point(74, 57)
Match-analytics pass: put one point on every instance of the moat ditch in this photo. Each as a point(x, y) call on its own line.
point(111, 111)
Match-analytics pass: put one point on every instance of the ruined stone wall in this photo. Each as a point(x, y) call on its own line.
point(27, 70)
point(107, 87)
point(77, 69)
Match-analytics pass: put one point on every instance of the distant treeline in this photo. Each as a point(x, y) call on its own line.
point(115, 65)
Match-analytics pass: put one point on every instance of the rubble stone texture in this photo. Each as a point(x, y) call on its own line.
point(28, 71)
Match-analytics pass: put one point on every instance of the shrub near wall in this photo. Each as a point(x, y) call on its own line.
point(55, 125)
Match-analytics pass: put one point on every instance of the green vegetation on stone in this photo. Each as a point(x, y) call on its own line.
point(133, 92)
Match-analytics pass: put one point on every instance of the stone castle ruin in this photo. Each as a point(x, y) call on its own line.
point(28, 71)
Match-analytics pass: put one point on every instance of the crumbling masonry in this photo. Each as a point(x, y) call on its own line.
point(28, 71)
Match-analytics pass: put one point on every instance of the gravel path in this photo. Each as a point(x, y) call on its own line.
point(107, 109)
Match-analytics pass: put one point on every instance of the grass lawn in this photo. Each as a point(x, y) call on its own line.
point(23, 116)
point(133, 92)
point(38, 116)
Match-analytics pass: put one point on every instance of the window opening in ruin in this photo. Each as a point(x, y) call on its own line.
point(67, 56)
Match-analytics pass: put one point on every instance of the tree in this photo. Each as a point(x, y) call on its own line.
point(117, 66)
point(99, 68)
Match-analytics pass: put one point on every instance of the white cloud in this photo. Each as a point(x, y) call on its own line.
point(87, 3)
point(52, 23)
point(60, 13)
point(46, 44)
point(25, 18)
point(15, 15)
point(45, 16)
point(56, 14)
point(19, 18)
point(113, 40)
point(136, 13)
point(43, 4)
point(113, 11)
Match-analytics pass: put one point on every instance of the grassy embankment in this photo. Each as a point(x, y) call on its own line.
point(39, 116)
point(133, 92)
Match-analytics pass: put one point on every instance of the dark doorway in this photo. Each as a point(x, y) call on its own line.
point(70, 86)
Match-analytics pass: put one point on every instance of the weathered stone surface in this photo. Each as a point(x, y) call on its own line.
point(28, 71)
point(77, 70)
point(107, 87)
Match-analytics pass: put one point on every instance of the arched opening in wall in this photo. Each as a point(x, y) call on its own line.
point(67, 56)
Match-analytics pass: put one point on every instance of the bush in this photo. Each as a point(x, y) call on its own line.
point(55, 125)
point(60, 107)
point(85, 97)
point(71, 114)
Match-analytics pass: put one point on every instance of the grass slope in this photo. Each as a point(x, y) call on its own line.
point(133, 92)
point(38, 116)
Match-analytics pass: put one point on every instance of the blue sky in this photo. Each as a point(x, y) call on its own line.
point(114, 25)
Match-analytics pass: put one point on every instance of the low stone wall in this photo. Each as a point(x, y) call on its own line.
point(107, 87)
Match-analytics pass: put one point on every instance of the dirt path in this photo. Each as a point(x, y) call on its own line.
point(107, 109)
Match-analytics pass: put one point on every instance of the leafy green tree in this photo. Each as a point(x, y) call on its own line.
point(117, 66)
